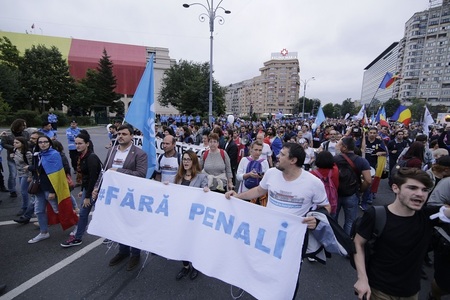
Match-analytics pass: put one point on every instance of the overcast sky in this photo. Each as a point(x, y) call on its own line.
point(335, 40)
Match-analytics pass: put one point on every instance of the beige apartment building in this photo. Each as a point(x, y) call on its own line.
point(275, 89)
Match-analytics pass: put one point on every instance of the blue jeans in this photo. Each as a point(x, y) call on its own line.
point(40, 209)
point(367, 196)
point(23, 181)
point(12, 176)
point(83, 220)
point(30, 209)
point(350, 206)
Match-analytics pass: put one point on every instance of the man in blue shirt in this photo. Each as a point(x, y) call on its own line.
point(71, 134)
point(48, 130)
point(53, 119)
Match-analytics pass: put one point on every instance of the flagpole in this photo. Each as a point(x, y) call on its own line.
point(373, 98)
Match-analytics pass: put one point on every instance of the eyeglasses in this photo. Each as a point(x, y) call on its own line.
point(187, 159)
point(43, 142)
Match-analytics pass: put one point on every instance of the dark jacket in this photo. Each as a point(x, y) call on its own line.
point(91, 168)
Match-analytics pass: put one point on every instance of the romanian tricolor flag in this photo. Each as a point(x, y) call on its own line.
point(381, 117)
point(52, 163)
point(402, 115)
point(381, 164)
point(388, 80)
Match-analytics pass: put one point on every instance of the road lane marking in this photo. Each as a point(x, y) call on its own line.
point(50, 271)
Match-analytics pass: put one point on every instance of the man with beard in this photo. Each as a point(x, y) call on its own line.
point(128, 159)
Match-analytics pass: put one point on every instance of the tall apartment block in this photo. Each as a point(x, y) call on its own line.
point(421, 58)
point(275, 89)
point(425, 64)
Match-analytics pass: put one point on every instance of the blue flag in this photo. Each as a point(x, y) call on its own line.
point(141, 114)
point(320, 118)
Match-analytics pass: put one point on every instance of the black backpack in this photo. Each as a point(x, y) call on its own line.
point(349, 176)
point(369, 247)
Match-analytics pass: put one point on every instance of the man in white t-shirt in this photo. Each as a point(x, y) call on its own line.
point(167, 164)
point(291, 189)
point(330, 145)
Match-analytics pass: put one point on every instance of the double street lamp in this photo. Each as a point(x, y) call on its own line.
point(305, 83)
point(211, 15)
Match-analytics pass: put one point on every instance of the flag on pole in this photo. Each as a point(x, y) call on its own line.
point(320, 118)
point(381, 163)
point(387, 77)
point(141, 114)
point(361, 112)
point(427, 121)
point(381, 117)
point(402, 115)
point(392, 80)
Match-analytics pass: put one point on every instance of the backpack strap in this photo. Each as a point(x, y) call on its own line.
point(317, 173)
point(205, 155)
point(222, 153)
point(351, 163)
point(380, 221)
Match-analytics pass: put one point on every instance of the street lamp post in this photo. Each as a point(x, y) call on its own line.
point(211, 16)
point(305, 83)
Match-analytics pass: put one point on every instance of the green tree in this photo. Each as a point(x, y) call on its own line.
point(337, 110)
point(348, 107)
point(328, 110)
point(186, 87)
point(45, 77)
point(391, 106)
point(434, 110)
point(9, 54)
point(417, 109)
point(105, 83)
point(9, 73)
point(311, 106)
point(9, 85)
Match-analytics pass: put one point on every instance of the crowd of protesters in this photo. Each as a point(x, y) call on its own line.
point(234, 144)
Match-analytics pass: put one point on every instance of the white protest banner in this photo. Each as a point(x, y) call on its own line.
point(180, 147)
point(243, 244)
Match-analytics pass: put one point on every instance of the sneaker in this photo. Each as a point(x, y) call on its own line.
point(13, 195)
point(183, 273)
point(39, 237)
point(194, 273)
point(363, 206)
point(106, 241)
point(117, 259)
point(72, 241)
point(22, 220)
point(310, 259)
point(133, 262)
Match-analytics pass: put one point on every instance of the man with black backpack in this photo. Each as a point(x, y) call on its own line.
point(351, 168)
point(393, 270)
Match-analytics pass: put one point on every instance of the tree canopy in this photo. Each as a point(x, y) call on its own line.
point(186, 87)
point(45, 77)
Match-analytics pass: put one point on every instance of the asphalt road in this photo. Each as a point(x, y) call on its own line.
point(47, 271)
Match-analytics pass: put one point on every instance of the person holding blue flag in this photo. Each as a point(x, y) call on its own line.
point(128, 159)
